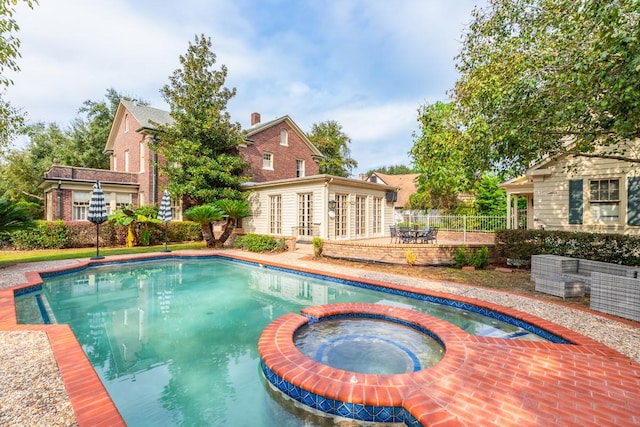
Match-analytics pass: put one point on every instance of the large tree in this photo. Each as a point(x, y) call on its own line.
point(10, 118)
point(551, 76)
point(22, 170)
point(82, 145)
point(392, 170)
point(202, 145)
point(90, 130)
point(441, 156)
point(333, 143)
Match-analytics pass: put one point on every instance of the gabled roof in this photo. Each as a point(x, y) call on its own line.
point(257, 128)
point(148, 117)
point(315, 179)
point(406, 185)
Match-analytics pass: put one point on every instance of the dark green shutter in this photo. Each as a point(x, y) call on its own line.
point(575, 201)
point(633, 200)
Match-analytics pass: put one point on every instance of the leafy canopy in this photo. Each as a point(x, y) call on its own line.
point(440, 154)
point(544, 77)
point(333, 143)
point(392, 170)
point(201, 146)
point(10, 118)
point(82, 144)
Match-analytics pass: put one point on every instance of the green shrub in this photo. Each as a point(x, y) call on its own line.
point(614, 248)
point(47, 235)
point(256, 243)
point(460, 257)
point(317, 246)
point(478, 258)
point(184, 231)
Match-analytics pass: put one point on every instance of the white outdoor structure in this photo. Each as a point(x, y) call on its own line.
point(324, 206)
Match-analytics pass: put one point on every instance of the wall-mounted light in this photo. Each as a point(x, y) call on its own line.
point(332, 205)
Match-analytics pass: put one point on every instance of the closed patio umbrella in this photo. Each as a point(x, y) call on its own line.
point(97, 213)
point(164, 215)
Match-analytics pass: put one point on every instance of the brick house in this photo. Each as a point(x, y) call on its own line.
point(275, 150)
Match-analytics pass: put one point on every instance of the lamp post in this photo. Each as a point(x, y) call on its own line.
point(59, 198)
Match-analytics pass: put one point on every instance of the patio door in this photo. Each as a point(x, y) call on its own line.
point(305, 215)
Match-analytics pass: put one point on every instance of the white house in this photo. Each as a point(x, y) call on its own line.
point(324, 206)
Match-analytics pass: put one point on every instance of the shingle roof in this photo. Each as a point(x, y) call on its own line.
point(406, 185)
point(148, 117)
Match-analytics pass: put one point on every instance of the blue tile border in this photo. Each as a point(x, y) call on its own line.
point(354, 411)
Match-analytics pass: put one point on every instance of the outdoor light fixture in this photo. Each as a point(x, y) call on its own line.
point(332, 205)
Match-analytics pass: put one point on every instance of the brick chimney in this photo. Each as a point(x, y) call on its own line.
point(255, 118)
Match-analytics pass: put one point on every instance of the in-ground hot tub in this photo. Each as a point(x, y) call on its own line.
point(369, 345)
point(358, 361)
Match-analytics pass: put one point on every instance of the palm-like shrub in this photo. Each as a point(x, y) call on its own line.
point(13, 218)
point(225, 210)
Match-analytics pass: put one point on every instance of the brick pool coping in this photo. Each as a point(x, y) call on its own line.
point(499, 381)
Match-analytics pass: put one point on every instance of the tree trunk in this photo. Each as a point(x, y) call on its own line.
point(228, 229)
point(207, 234)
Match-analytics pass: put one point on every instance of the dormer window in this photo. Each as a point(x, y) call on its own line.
point(267, 161)
point(284, 137)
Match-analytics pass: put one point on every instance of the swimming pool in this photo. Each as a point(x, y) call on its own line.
point(174, 341)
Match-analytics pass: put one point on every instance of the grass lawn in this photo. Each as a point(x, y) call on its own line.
point(8, 258)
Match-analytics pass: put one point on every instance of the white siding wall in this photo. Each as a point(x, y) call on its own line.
point(258, 223)
point(551, 194)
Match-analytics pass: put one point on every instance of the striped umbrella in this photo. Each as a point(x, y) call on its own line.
point(97, 213)
point(97, 208)
point(164, 214)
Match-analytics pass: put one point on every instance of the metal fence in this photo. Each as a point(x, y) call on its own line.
point(461, 223)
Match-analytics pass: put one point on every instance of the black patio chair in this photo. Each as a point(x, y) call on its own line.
point(394, 233)
point(429, 235)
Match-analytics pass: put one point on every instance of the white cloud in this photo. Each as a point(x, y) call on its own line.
point(368, 65)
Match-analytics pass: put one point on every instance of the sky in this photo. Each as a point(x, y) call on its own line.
point(367, 64)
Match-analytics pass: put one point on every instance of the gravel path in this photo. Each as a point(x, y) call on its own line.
point(32, 392)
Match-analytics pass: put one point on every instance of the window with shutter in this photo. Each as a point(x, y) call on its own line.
point(633, 200)
point(575, 201)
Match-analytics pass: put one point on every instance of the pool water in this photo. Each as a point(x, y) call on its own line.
point(175, 341)
point(368, 346)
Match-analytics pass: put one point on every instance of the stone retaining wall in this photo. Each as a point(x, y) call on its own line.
point(426, 254)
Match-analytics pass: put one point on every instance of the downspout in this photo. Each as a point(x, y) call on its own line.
point(59, 197)
point(154, 175)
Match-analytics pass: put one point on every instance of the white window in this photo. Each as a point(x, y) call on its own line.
point(604, 200)
point(81, 205)
point(126, 123)
point(305, 214)
point(123, 201)
point(377, 214)
point(115, 163)
point(275, 214)
point(361, 215)
point(176, 209)
point(126, 161)
point(142, 158)
point(341, 215)
point(299, 168)
point(267, 161)
point(284, 137)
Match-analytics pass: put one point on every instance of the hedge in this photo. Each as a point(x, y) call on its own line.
point(80, 234)
point(612, 248)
